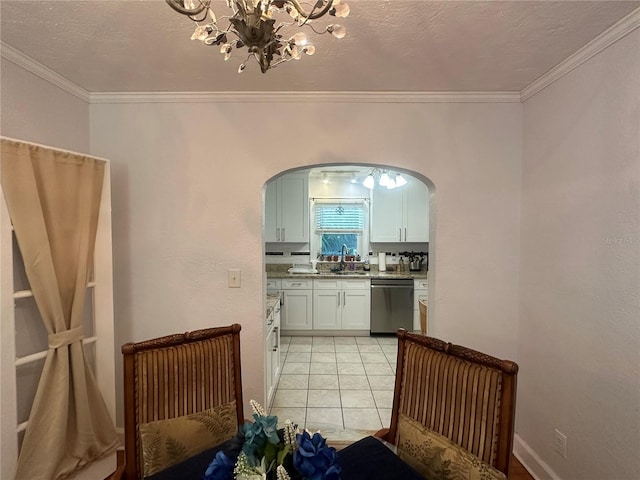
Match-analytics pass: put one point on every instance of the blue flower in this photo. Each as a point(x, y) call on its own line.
point(221, 468)
point(256, 435)
point(333, 473)
point(313, 459)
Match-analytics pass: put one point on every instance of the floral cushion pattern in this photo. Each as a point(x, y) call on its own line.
point(168, 442)
point(436, 457)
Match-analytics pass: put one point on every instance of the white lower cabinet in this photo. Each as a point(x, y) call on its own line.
point(272, 354)
point(420, 287)
point(297, 311)
point(341, 304)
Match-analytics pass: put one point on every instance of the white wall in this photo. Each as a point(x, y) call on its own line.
point(579, 330)
point(188, 205)
point(35, 110)
point(176, 232)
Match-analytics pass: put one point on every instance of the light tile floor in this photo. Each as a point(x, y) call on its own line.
point(334, 383)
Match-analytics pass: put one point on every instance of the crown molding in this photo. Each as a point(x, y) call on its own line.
point(602, 41)
point(35, 67)
point(303, 97)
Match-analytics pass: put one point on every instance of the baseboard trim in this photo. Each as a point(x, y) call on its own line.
point(324, 333)
point(530, 460)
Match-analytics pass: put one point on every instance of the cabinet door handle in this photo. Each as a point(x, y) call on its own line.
point(338, 298)
point(344, 299)
point(283, 234)
point(405, 234)
point(400, 232)
point(277, 234)
point(275, 333)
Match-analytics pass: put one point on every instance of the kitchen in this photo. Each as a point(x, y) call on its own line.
point(346, 261)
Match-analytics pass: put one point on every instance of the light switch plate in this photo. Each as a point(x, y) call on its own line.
point(234, 278)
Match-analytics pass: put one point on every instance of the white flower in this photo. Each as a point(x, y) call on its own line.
point(257, 408)
point(251, 476)
point(282, 473)
point(290, 434)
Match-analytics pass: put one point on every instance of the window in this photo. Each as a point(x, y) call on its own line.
point(332, 243)
point(339, 223)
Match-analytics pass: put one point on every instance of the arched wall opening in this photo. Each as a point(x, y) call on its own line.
point(285, 254)
point(432, 216)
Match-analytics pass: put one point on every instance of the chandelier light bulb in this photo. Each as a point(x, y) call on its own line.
point(309, 49)
point(200, 33)
point(391, 183)
point(369, 182)
point(341, 10)
point(226, 50)
point(293, 12)
point(300, 39)
point(400, 181)
point(384, 179)
point(337, 31)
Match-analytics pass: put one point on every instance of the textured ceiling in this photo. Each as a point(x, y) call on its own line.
point(391, 46)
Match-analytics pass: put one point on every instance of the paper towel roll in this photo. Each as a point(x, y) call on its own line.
point(382, 262)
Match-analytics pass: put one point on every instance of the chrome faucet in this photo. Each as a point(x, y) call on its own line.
point(343, 254)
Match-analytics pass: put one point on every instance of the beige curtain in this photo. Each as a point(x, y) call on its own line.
point(53, 199)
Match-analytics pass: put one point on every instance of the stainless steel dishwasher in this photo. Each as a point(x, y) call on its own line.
point(391, 304)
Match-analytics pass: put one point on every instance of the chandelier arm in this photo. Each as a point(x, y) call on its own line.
point(200, 19)
point(312, 15)
point(314, 30)
point(178, 7)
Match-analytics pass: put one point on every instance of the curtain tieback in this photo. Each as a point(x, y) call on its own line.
point(61, 339)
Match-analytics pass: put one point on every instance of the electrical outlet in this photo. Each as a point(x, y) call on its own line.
point(560, 443)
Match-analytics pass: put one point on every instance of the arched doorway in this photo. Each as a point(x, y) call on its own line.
point(334, 375)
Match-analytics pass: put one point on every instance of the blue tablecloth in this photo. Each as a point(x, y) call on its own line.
point(370, 459)
point(366, 459)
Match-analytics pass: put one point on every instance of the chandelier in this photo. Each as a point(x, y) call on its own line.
point(261, 26)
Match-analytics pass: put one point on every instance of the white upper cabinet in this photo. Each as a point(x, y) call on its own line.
point(287, 209)
point(416, 212)
point(386, 214)
point(400, 214)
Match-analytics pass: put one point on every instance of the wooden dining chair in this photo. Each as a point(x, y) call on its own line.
point(453, 409)
point(182, 395)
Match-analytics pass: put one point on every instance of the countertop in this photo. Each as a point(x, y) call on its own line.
point(349, 274)
point(273, 299)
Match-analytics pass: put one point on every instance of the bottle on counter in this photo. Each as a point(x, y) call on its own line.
point(366, 267)
point(401, 265)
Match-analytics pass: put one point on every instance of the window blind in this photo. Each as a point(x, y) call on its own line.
point(338, 217)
